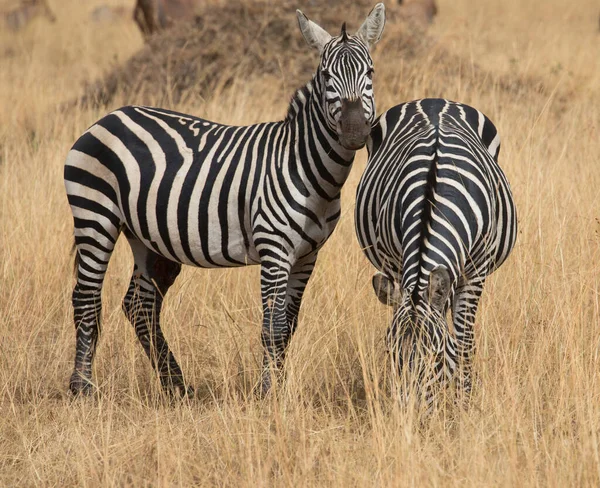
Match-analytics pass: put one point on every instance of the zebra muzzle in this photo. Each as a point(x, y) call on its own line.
point(353, 127)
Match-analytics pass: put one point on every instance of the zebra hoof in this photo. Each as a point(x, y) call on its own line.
point(79, 386)
point(177, 390)
point(269, 380)
point(264, 387)
point(180, 393)
point(184, 392)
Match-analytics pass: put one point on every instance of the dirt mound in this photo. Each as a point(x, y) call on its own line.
point(238, 40)
point(251, 40)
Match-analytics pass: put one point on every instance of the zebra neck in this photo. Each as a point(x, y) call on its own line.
point(314, 145)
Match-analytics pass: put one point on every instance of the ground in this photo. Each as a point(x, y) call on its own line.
point(532, 66)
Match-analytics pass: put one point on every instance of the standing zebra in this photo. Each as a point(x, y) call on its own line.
point(188, 191)
point(435, 215)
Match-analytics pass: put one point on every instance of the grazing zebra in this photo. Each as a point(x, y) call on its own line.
point(435, 215)
point(188, 191)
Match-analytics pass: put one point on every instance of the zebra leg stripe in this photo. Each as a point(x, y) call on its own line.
point(282, 291)
point(299, 276)
point(92, 261)
point(152, 276)
point(142, 306)
point(276, 331)
point(87, 307)
point(463, 318)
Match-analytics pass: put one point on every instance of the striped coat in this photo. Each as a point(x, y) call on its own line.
point(184, 190)
point(435, 216)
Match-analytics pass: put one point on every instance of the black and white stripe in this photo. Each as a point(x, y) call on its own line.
point(435, 215)
point(184, 190)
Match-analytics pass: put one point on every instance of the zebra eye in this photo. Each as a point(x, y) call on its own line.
point(370, 72)
point(326, 75)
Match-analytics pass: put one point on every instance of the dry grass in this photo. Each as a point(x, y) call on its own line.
point(535, 417)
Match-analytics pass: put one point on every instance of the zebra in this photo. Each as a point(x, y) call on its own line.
point(435, 215)
point(184, 190)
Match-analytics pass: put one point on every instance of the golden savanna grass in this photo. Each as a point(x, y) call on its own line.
point(535, 415)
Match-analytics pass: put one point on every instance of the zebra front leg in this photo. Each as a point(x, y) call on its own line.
point(299, 276)
point(276, 339)
point(276, 330)
point(152, 277)
point(464, 309)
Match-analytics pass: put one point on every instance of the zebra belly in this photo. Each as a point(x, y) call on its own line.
point(210, 243)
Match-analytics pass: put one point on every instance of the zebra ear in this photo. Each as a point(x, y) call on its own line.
point(385, 290)
point(315, 35)
point(439, 287)
point(372, 28)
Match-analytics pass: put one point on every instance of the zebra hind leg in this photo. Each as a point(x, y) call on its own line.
point(152, 277)
point(465, 306)
point(91, 261)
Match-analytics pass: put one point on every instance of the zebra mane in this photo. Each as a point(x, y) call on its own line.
point(344, 34)
point(299, 99)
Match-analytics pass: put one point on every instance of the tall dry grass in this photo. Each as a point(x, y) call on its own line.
point(535, 416)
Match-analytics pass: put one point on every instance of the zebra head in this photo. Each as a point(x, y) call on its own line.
point(419, 336)
point(344, 77)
